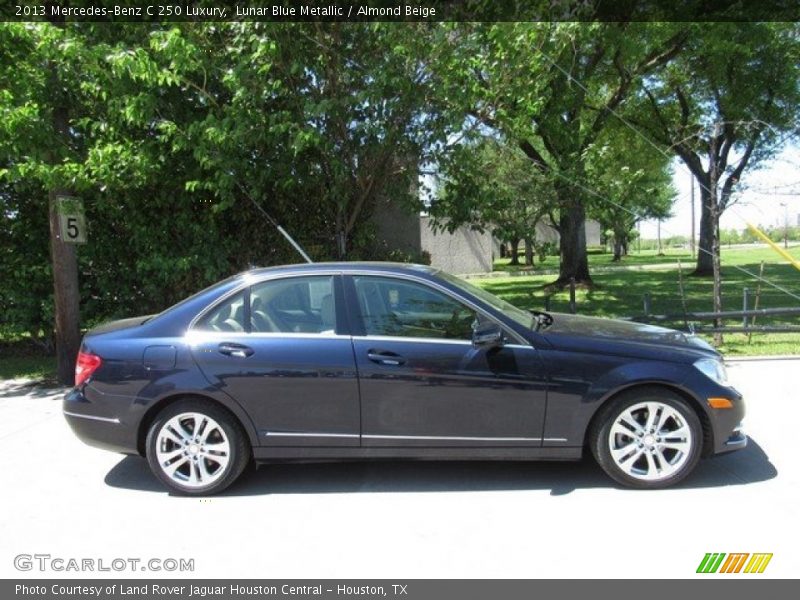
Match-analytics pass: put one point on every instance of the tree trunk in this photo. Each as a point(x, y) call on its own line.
point(572, 243)
point(528, 252)
point(514, 252)
point(617, 249)
point(705, 244)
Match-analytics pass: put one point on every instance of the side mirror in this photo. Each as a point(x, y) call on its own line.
point(487, 335)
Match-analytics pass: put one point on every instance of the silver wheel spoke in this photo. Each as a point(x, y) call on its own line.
point(662, 419)
point(198, 426)
point(624, 453)
point(680, 446)
point(652, 468)
point(681, 434)
point(203, 469)
point(629, 423)
point(179, 429)
point(172, 436)
point(194, 474)
point(628, 465)
point(652, 414)
point(618, 429)
point(173, 467)
point(166, 457)
point(666, 466)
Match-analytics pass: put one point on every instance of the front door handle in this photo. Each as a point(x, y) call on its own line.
point(235, 350)
point(384, 357)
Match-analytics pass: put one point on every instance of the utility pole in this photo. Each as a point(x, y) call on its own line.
point(785, 224)
point(660, 253)
point(692, 244)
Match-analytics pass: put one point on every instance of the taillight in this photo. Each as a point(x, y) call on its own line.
point(86, 364)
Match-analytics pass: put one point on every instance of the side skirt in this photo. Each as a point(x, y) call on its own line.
point(270, 454)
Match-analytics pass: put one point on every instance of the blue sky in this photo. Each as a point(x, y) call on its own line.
point(759, 201)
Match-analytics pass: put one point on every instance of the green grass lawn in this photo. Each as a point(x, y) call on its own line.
point(620, 292)
point(28, 367)
point(730, 256)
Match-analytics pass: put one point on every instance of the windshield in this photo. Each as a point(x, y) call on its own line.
point(519, 315)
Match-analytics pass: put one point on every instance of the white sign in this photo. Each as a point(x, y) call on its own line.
point(71, 221)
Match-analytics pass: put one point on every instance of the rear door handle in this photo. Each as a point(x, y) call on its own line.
point(384, 357)
point(235, 350)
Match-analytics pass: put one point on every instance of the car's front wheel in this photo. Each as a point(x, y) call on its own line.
point(196, 448)
point(647, 438)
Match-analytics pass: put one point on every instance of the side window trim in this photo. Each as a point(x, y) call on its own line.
point(248, 323)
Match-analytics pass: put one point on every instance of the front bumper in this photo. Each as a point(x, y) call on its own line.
point(96, 424)
point(726, 424)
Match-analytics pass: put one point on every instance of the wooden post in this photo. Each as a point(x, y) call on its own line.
point(646, 299)
point(745, 297)
point(755, 304)
point(683, 294)
point(66, 294)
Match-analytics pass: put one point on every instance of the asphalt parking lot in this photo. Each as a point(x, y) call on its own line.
point(403, 520)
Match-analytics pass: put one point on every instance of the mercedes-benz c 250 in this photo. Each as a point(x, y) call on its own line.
point(376, 361)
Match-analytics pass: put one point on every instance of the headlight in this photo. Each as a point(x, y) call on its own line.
point(713, 369)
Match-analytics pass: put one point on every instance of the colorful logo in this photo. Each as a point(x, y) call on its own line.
point(736, 562)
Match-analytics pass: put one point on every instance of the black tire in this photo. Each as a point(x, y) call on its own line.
point(666, 465)
point(225, 430)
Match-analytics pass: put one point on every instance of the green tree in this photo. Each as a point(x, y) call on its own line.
point(633, 182)
point(489, 184)
point(552, 88)
point(729, 102)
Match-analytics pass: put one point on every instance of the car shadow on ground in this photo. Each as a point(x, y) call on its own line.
point(750, 465)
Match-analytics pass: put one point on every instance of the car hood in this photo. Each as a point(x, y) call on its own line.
point(619, 337)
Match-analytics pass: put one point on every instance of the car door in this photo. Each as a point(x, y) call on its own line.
point(277, 347)
point(422, 381)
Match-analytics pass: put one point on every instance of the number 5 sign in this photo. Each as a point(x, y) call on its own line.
point(72, 223)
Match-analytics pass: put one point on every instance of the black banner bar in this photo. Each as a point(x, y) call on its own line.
point(731, 588)
point(400, 10)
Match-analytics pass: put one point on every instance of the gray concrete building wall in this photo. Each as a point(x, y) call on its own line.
point(461, 252)
point(398, 229)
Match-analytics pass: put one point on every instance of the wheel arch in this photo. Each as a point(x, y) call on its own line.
point(153, 411)
point(683, 393)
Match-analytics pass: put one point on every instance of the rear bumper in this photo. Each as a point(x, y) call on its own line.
point(97, 425)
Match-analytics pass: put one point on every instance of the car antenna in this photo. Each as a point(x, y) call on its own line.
point(277, 226)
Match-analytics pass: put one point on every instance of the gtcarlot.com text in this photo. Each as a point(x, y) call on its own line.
point(59, 564)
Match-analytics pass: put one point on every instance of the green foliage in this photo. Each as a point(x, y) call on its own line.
point(178, 132)
point(634, 180)
point(552, 89)
point(489, 184)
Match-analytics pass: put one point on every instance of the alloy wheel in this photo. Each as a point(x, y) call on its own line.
point(193, 450)
point(650, 441)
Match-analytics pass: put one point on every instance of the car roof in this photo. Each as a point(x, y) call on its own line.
point(391, 267)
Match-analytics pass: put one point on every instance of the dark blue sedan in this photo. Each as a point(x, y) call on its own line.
point(378, 360)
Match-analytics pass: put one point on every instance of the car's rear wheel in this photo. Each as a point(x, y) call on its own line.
point(647, 438)
point(196, 448)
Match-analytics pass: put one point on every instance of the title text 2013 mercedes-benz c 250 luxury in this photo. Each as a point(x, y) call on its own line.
point(378, 360)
